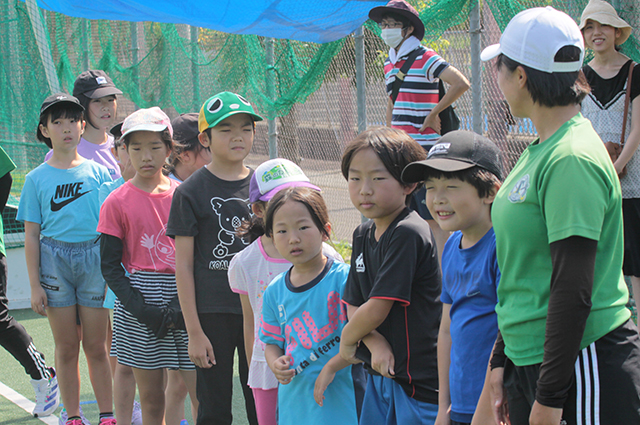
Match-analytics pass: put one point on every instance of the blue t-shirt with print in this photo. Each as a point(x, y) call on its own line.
point(470, 280)
point(306, 323)
point(64, 201)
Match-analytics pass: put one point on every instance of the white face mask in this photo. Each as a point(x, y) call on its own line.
point(392, 36)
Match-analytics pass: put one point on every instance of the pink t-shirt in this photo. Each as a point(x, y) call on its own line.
point(98, 153)
point(140, 219)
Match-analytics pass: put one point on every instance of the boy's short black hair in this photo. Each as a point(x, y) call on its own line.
point(395, 148)
point(483, 180)
point(556, 88)
point(57, 111)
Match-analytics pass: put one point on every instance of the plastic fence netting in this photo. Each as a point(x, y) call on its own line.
point(308, 88)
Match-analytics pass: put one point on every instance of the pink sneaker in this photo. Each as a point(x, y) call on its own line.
point(108, 421)
point(74, 422)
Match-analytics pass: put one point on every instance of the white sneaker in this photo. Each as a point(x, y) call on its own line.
point(64, 418)
point(47, 395)
point(136, 415)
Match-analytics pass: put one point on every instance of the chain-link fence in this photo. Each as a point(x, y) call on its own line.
point(309, 89)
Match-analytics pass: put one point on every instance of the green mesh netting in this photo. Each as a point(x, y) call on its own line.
point(177, 67)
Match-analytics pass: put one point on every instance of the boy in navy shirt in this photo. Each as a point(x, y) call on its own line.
point(462, 176)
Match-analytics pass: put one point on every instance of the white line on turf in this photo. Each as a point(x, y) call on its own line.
point(25, 404)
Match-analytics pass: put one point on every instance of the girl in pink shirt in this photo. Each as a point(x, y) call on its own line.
point(148, 333)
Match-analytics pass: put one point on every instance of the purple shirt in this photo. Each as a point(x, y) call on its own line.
point(98, 153)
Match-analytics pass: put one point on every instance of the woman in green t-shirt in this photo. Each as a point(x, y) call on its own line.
point(567, 351)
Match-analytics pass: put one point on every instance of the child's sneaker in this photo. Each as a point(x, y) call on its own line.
point(64, 418)
point(136, 415)
point(108, 421)
point(47, 395)
point(74, 422)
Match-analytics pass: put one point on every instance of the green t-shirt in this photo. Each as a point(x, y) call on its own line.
point(563, 187)
point(6, 166)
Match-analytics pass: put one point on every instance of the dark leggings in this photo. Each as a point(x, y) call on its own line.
point(215, 385)
point(13, 336)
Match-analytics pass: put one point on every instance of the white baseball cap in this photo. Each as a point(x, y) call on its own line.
point(274, 175)
point(151, 119)
point(534, 36)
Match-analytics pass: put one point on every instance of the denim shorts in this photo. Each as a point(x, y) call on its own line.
point(70, 273)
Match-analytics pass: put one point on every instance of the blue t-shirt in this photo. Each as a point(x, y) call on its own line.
point(306, 322)
point(63, 201)
point(470, 280)
point(107, 188)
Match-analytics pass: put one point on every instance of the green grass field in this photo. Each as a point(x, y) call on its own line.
point(12, 375)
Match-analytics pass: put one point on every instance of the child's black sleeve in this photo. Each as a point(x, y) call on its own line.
point(131, 298)
point(5, 189)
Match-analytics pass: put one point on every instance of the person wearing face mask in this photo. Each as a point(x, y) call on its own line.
point(415, 105)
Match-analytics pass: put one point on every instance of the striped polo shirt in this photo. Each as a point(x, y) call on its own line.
point(418, 94)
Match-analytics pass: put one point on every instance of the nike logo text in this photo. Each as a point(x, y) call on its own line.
point(65, 190)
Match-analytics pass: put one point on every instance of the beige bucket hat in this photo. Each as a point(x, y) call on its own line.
point(602, 12)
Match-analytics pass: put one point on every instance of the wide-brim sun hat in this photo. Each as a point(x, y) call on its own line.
point(604, 13)
point(151, 119)
point(534, 36)
point(402, 8)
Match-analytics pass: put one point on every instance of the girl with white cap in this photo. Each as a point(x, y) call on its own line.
point(567, 351)
point(148, 328)
point(612, 84)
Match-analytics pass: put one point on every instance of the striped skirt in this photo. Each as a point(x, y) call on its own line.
point(134, 344)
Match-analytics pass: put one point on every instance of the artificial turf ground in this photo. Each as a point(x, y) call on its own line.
point(13, 376)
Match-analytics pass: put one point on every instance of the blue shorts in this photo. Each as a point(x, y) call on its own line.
point(386, 403)
point(70, 273)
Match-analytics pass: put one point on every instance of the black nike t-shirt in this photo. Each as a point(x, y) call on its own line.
point(210, 210)
point(402, 266)
point(64, 202)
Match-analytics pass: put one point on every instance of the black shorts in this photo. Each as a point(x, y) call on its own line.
point(631, 217)
point(605, 388)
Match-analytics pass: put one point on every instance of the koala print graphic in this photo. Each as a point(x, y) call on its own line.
point(230, 218)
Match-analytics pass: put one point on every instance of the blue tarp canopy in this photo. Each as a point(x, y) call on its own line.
point(318, 21)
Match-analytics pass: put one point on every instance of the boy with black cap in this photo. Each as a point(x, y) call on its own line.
point(462, 176)
point(414, 103)
point(206, 211)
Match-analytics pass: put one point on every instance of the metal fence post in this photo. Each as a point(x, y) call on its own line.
point(361, 88)
point(271, 91)
point(476, 68)
point(42, 40)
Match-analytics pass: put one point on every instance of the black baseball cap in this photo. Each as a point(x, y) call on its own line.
point(94, 84)
point(116, 130)
point(185, 128)
point(56, 98)
point(455, 151)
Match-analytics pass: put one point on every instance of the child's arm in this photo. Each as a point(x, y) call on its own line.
point(200, 348)
point(32, 255)
point(157, 319)
point(279, 363)
point(382, 359)
point(249, 332)
point(444, 362)
point(365, 319)
point(326, 376)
